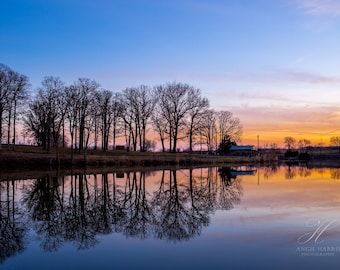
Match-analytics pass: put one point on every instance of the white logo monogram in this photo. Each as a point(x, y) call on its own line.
point(319, 229)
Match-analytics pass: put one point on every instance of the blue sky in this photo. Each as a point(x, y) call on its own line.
point(274, 63)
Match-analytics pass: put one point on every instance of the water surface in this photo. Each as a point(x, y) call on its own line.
point(208, 218)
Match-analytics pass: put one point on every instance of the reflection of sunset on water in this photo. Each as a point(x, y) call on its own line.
point(234, 209)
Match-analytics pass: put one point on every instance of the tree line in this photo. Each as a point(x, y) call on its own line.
point(84, 115)
point(291, 142)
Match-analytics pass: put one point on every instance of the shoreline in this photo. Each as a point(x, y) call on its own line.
point(19, 159)
point(35, 159)
point(31, 160)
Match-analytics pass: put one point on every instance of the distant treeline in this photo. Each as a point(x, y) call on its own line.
point(84, 115)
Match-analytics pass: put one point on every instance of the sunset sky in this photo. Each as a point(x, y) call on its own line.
point(274, 63)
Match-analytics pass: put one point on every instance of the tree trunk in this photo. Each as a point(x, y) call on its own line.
point(14, 123)
point(9, 128)
point(1, 112)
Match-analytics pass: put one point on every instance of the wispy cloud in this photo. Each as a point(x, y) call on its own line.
point(271, 75)
point(322, 14)
point(320, 7)
point(306, 77)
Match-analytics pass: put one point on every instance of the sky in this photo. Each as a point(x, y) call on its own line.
point(275, 64)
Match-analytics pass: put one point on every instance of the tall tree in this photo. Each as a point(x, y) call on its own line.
point(35, 122)
point(335, 141)
point(146, 99)
point(71, 116)
point(289, 142)
point(175, 106)
point(103, 99)
point(198, 107)
point(130, 117)
point(138, 103)
point(159, 124)
point(208, 130)
point(45, 117)
point(116, 113)
point(86, 89)
point(18, 92)
point(303, 143)
point(229, 126)
point(6, 83)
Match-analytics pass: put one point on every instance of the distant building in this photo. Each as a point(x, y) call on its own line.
point(243, 150)
point(120, 148)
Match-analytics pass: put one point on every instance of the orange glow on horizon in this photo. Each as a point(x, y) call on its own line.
point(272, 125)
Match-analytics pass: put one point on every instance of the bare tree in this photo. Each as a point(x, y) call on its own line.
point(289, 142)
point(86, 90)
point(72, 109)
point(116, 112)
point(198, 107)
point(335, 141)
point(130, 116)
point(161, 119)
point(138, 103)
point(229, 125)
point(208, 130)
point(46, 115)
point(51, 94)
point(303, 143)
point(103, 99)
point(19, 85)
point(146, 100)
point(175, 107)
point(159, 125)
point(6, 81)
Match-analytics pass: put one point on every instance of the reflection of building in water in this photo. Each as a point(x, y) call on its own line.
point(170, 205)
point(235, 173)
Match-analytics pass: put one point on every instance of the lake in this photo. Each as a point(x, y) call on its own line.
point(285, 217)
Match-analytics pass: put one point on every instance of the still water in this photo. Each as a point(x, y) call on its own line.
point(207, 218)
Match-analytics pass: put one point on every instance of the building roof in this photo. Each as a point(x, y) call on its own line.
point(242, 148)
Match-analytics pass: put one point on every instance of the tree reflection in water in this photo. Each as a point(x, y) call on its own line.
point(79, 207)
point(12, 225)
point(230, 190)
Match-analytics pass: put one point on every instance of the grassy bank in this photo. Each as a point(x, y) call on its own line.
point(30, 157)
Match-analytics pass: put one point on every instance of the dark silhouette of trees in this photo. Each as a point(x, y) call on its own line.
point(335, 141)
point(6, 80)
point(208, 131)
point(289, 142)
point(71, 114)
point(225, 144)
point(13, 91)
point(86, 110)
point(116, 113)
point(17, 95)
point(159, 121)
point(304, 143)
point(229, 126)
point(198, 107)
point(104, 103)
point(46, 114)
point(82, 115)
point(137, 106)
point(176, 101)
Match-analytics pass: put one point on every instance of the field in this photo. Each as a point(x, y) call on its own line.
point(29, 157)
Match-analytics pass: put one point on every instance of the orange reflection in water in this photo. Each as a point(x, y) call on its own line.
point(293, 191)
